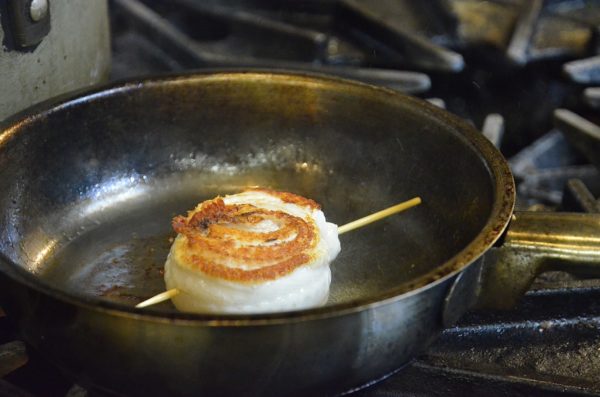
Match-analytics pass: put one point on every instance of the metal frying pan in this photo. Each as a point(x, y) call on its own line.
point(89, 185)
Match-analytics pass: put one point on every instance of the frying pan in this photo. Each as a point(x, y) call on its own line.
point(89, 185)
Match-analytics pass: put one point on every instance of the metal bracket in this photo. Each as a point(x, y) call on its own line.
point(463, 293)
point(28, 22)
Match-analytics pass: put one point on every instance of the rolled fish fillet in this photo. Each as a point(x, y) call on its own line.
point(257, 251)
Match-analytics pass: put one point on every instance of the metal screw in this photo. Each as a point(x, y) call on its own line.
point(38, 9)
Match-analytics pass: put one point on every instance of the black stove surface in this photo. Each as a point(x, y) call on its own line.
point(522, 71)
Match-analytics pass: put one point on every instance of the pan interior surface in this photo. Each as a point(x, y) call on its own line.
point(90, 187)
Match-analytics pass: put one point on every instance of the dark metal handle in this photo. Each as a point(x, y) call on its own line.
point(25, 22)
point(534, 243)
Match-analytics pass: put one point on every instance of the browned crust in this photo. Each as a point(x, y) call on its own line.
point(213, 237)
point(266, 273)
point(289, 197)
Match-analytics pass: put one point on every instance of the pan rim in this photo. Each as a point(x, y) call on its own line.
point(497, 220)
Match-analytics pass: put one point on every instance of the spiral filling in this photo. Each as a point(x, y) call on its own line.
point(226, 241)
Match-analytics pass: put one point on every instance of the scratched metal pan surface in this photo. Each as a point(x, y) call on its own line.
point(90, 183)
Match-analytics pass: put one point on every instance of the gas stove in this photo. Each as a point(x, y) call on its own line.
point(521, 71)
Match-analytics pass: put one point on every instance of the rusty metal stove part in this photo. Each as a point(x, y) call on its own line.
point(77, 391)
point(537, 242)
point(237, 33)
point(12, 356)
point(548, 345)
point(591, 96)
point(549, 151)
point(585, 137)
point(8, 390)
point(525, 30)
point(577, 197)
point(390, 23)
point(192, 53)
point(584, 71)
point(518, 48)
point(545, 186)
point(485, 23)
point(545, 167)
point(582, 133)
point(493, 128)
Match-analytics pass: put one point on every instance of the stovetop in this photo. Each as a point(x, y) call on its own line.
point(521, 71)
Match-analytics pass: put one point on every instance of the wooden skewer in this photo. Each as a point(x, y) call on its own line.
point(379, 215)
point(164, 296)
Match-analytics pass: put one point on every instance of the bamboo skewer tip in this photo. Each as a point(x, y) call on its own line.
point(379, 215)
point(163, 296)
